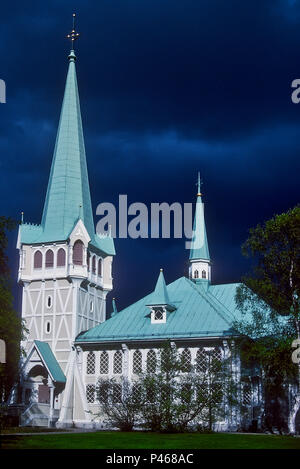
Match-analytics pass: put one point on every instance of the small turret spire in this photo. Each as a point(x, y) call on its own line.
point(199, 253)
point(199, 185)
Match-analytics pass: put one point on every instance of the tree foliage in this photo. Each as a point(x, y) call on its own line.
point(11, 328)
point(172, 399)
point(269, 302)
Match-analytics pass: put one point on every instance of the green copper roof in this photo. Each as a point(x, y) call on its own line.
point(160, 295)
point(68, 193)
point(201, 311)
point(199, 246)
point(50, 361)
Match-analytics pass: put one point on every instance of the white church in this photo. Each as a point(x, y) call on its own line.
point(65, 270)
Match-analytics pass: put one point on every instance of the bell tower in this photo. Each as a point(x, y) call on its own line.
point(65, 266)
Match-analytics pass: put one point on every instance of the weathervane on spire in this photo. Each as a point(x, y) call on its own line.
point(199, 184)
point(73, 35)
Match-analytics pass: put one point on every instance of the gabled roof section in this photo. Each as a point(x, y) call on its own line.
point(50, 361)
point(68, 193)
point(200, 313)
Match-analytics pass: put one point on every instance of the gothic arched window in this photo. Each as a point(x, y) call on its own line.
point(215, 359)
point(94, 264)
point(203, 274)
point(38, 260)
point(78, 253)
point(196, 274)
point(49, 258)
point(151, 361)
point(90, 393)
point(117, 366)
point(117, 393)
point(100, 268)
point(201, 361)
point(186, 360)
point(137, 362)
point(104, 363)
point(90, 364)
point(61, 258)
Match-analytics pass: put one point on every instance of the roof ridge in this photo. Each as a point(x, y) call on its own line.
point(211, 303)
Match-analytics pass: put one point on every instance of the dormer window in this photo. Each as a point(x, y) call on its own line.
point(158, 315)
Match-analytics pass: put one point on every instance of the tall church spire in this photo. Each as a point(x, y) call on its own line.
point(199, 252)
point(68, 193)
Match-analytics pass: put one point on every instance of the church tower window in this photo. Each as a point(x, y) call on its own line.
point(137, 362)
point(90, 364)
point(61, 258)
point(94, 264)
point(78, 253)
point(104, 363)
point(196, 274)
point(100, 268)
point(48, 327)
point(38, 260)
point(49, 301)
point(117, 363)
point(203, 274)
point(49, 259)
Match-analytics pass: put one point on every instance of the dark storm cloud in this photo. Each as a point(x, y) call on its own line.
point(167, 88)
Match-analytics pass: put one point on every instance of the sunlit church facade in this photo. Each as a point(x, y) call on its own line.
point(65, 270)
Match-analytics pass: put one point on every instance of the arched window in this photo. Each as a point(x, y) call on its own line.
point(196, 274)
point(88, 260)
point(49, 258)
point(137, 362)
point(48, 327)
point(90, 393)
point(37, 260)
point(117, 393)
point(117, 363)
point(203, 274)
point(100, 268)
point(186, 360)
point(90, 363)
point(49, 301)
point(94, 264)
point(215, 359)
point(61, 258)
point(78, 253)
point(104, 363)
point(201, 361)
point(151, 361)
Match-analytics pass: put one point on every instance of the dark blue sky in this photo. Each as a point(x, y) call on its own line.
point(167, 88)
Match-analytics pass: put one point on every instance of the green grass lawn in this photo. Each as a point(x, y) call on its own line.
point(136, 440)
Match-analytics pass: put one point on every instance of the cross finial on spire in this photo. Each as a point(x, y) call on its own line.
point(199, 184)
point(73, 35)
